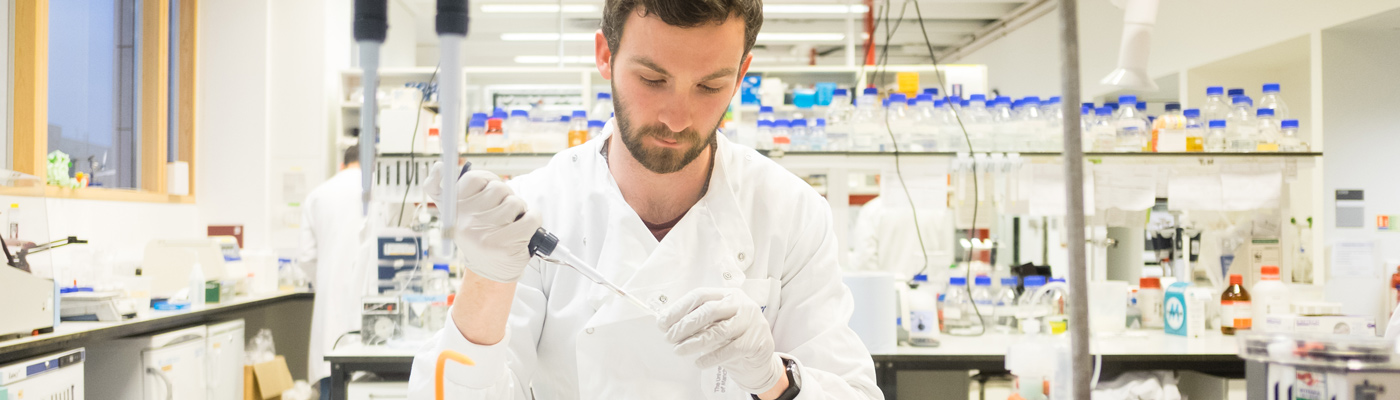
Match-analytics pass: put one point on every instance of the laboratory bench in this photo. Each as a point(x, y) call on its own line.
point(1214, 354)
point(74, 334)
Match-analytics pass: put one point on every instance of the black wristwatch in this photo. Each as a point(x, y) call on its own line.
point(794, 381)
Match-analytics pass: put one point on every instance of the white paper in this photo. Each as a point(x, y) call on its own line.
point(1196, 189)
point(1243, 191)
point(1354, 259)
point(1047, 197)
point(1125, 187)
point(928, 186)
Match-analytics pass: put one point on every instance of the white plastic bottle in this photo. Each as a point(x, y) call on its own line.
point(518, 130)
point(782, 135)
point(1149, 300)
point(1269, 295)
point(901, 125)
point(816, 135)
point(1241, 127)
point(1131, 125)
point(595, 128)
point(838, 120)
point(957, 308)
point(764, 138)
point(476, 135)
point(801, 135)
point(438, 287)
point(602, 107)
point(1004, 306)
point(923, 313)
point(984, 298)
point(867, 121)
point(1272, 99)
point(196, 286)
point(1105, 136)
point(1267, 133)
point(1215, 107)
point(1288, 140)
point(1216, 138)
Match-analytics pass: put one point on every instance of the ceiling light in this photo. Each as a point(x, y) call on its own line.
point(813, 9)
point(553, 59)
point(546, 37)
point(800, 37)
point(538, 8)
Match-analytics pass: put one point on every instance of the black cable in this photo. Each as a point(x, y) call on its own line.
point(418, 114)
point(881, 70)
point(342, 336)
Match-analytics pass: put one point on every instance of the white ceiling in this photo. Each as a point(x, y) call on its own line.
point(949, 23)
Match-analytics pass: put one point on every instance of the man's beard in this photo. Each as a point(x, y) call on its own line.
point(656, 159)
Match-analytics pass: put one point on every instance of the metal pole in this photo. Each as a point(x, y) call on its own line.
point(1080, 363)
point(561, 33)
point(850, 34)
point(370, 26)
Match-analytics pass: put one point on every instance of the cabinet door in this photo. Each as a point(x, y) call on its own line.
point(175, 372)
point(377, 391)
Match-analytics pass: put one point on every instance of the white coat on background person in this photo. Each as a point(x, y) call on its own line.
point(886, 240)
point(331, 224)
point(759, 229)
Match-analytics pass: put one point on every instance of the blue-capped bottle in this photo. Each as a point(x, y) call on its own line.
point(1288, 140)
point(1273, 99)
point(1217, 140)
point(1004, 306)
point(1131, 125)
point(838, 122)
point(957, 308)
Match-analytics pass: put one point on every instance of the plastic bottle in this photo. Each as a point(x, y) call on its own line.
point(1195, 131)
point(1030, 127)
point(765, 113)
point(1105, 136)
point(816, 136)
point(1216, 138)
point(1288, 140)
point(1130, 125)
point(1270, 295)
point(957, 308)
point(1273, 99)
point(595, 128)
point(1058, 296)
point(764, 139)
point(1268, 130)
point(13, 220)
point(1215, 107)
point(578, 128)
point(476, 135)
point(602, 107)
point(1230, 94)
point(923, 313)
point(1150, 298)
point(866, 121)
point(1026, 306)
point(1005, 306)
point(495, 136)
point(782, 135)
point(519, 135)
point(1241, 127)
point(1235, 311)
point(196, 285)
point(983, 296)
point(838, 119)
point(1173, 119)
point(901, 125)
point(800, 135)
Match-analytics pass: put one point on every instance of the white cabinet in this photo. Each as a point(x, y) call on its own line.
point(164, 366)
point(225, 361)
point(377, 391)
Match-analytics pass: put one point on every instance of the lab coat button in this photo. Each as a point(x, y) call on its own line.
point(662, 299)
point(741, 256)
point(575, 157)
point(588, 331)
point(728, 276)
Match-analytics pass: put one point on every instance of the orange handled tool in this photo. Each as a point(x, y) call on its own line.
point(442, 364)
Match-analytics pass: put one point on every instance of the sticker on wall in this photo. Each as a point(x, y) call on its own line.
point(1383, 223)
point(1351, 208)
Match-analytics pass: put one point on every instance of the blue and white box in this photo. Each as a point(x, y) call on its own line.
point(1184, 311)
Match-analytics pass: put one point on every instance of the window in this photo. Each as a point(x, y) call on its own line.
point(93, 104)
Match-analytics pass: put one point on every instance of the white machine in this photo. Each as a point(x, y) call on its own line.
point(225, 360)
point(96, 306)
point(28, 302)
point(165, 366)
point(51, 377)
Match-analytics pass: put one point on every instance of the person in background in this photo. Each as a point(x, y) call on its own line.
point(885, 240)
point(331, 221)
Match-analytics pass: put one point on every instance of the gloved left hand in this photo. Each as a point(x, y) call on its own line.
point(726, 329)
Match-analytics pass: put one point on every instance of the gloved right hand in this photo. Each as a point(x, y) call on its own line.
point(493, 225)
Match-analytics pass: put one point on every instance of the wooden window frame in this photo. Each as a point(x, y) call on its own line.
point(31, 58)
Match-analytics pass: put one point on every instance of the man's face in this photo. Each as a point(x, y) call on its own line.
point(671, 86)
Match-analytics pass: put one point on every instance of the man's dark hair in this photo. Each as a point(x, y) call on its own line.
point(685, 14)
point(352, 155)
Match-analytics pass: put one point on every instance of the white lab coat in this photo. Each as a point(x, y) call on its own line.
point(331, 224)
point(885, 239)
point(758, 228)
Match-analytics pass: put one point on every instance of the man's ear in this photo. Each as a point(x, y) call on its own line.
point(602, 55)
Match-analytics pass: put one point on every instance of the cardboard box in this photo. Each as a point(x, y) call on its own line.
point(1324, 324)
point(266, 381)
point(1184, 312)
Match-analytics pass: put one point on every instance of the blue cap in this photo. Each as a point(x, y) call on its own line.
point(1241, 99)
point(1008, 281)
point(566, 118)
point(1035, 280)
point(520, 113)
point(1270, 88)
point(885, 103)
point(911, 101)
point(477, 123)
point(1289, 123)
point(821, 121)
point(782, 123)
point(1089, 104)
point(439, 267)
point(764, 122)
point(604, 96)
point(580, 114)
point(957, 281)
point(870, 90)
point(982, 280)
point(940, 103)
point(964, 103)
point(897, 97)
point(1029, 99)
point(499, 114)
point(1217, 123)
point(1141, 105)
point(1192, 113)
point(1052, 280)
point(1235, 92)
point(765, 109)
point(1173, 106)
point(1214, 90)
point(921, 278)
point(1127, 99)
point(479, 115)
point(840, 92)
point(799, 122)
point(1129, 128)
point(1086, 110)
point(1053, 100)
point(931, 91)
point(1112, 105)
point(1264, 112)
point(977, 97)
point(593, 123)
point(924, 97)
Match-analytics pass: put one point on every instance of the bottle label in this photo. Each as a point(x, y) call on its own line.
point(923, 322)
point(1227, 313)
point(1267, 147)
point(1244, 312)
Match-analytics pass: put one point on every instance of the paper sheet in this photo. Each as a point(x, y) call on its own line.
point(928, 185)
point(1196, 189)
point(1125, 187)
point(1243, 191)
point(1354, 259)
point(1047, 196)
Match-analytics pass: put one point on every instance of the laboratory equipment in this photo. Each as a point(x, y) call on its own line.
point(225, 360)
point(1216, 139)
point(496, 141)
point(1236, 312)
point(782, 135)
point(1273, 99)
point(168, 263)
point(1268, 131)
point(1215, 107)
point(167, 365)
point(1139, 18)
point(1310, 366)
point(88, 305)
point(983, 297)
point(1270, 296)
point(56, 376)
point(602, 107)
point(1150, 299)
point(1241, 127)
point(958, 315)
point(595, 128)
point(1185, 311)
point(1131, 126)
point(381, 317)
point(1195, 130)
point(29, 302)
point(578, 128)
point(1288, 140)
point(399, 252)
point(922, 320)
point(1005, 306)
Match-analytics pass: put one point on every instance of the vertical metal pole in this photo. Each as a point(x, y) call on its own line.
point(369, 63)
point(451, 25)
point(850, 34)
point(1080, 362)
point(561, 33)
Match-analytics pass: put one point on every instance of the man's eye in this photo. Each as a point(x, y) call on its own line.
point(650, 82)
point(708, 89)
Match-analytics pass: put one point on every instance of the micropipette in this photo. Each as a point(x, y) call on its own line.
point(546, 246)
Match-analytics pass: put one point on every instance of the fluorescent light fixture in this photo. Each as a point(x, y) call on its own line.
point(553, 59)
point(800, 37)
point(814, 9)
point(547, 37)
point(538, 8)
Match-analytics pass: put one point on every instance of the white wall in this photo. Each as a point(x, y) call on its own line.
point(1188, 33)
